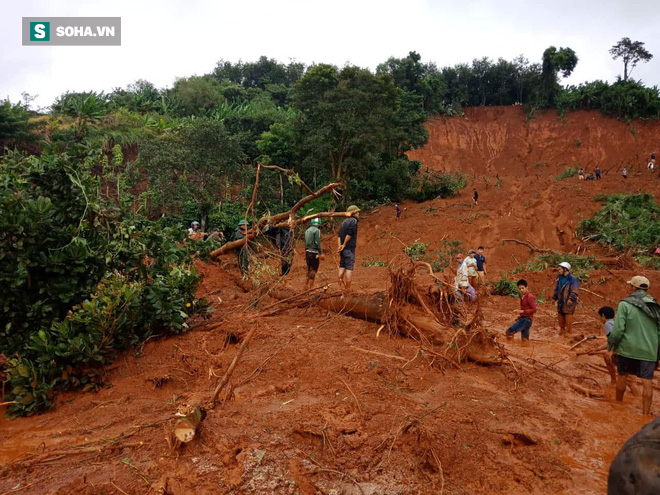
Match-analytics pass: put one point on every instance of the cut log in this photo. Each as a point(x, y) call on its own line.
point(186, 426)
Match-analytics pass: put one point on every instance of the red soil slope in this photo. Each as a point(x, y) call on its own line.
point(323, 405)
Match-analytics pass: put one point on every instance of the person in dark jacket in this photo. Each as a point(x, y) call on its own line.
point(566, 295)
point(346, 243)
point(282, 237)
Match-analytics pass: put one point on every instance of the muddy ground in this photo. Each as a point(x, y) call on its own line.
point(322, 404)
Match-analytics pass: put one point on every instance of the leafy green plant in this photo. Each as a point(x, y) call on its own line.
point(566, 174)
point(417, 250)
point(69, 261)
point(370, 261)
point(652, 262)
point(627, 222)
point(504, 287)
point(431, 184)
point(580, 265)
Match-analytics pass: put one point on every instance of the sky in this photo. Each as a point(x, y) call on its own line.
point(166, 39)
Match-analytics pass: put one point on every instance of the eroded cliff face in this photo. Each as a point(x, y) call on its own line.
point(503, 141)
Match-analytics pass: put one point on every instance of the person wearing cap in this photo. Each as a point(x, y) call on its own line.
point(398, 211)
point(471, 263)
point(313, 251)
point(242, 252)
point(461, 282)
point(634, 339)
point(566, 295)
point(346, 244)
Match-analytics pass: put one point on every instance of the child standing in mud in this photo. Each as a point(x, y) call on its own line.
point(525, 315)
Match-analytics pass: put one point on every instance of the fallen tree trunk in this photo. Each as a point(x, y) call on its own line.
point(411, 321)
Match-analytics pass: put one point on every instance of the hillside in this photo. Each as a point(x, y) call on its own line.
point(323, 403)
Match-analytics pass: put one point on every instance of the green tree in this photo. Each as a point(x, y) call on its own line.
point(555, 61)
point(631, 53)
point(193, 165)
point(354, 123)
point(197, 95)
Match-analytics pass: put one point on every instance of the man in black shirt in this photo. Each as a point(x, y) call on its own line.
point(346, 242)
point(481, 266)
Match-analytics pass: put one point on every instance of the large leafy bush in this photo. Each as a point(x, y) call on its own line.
point(80, 278)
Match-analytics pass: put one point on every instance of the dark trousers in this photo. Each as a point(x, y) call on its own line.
point(243, 260)
point(521, 325)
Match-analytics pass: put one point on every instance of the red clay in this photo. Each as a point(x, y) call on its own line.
point(293, 425)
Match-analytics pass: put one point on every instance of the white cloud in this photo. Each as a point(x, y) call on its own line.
point(162, 40)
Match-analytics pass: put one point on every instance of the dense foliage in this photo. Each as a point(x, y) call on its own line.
point(626, 222)
point(580, 265)
point(80, 278)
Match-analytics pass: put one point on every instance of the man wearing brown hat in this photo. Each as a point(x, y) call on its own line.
point(634, 339)
point(346, 242)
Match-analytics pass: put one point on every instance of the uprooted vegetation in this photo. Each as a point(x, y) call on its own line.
point(627, 222)
point(580, 265)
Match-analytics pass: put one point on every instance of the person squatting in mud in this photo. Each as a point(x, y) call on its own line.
point(313, 251)
point(566, 295)
point(346, 243)
point(635, 340)
point(525, 315)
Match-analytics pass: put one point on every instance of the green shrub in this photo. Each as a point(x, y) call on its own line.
point(440, 259)
point(417, 251)
point(566, 174)
point(652, 262)
point(625, 221)
point(580, 265)
point(80, 278)
point(504, 287)
point(370, 261)
point(431, 184)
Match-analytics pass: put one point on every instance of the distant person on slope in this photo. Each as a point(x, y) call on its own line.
point(472, 266)
point(481, 266)
point(313, 251)
point(398, 211)
point(635, 338)
point(624, 173)
point(597, 172)
point(347, 241)
point(566, 295)
point(525, 315)
point(475, 197)
point(581, 174)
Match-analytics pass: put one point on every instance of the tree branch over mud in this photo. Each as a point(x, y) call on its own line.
point(285, 219)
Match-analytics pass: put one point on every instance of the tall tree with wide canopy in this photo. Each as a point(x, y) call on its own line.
point(631, 53)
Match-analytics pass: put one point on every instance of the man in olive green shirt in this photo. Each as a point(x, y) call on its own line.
point(313, 251)
point(634, 339)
